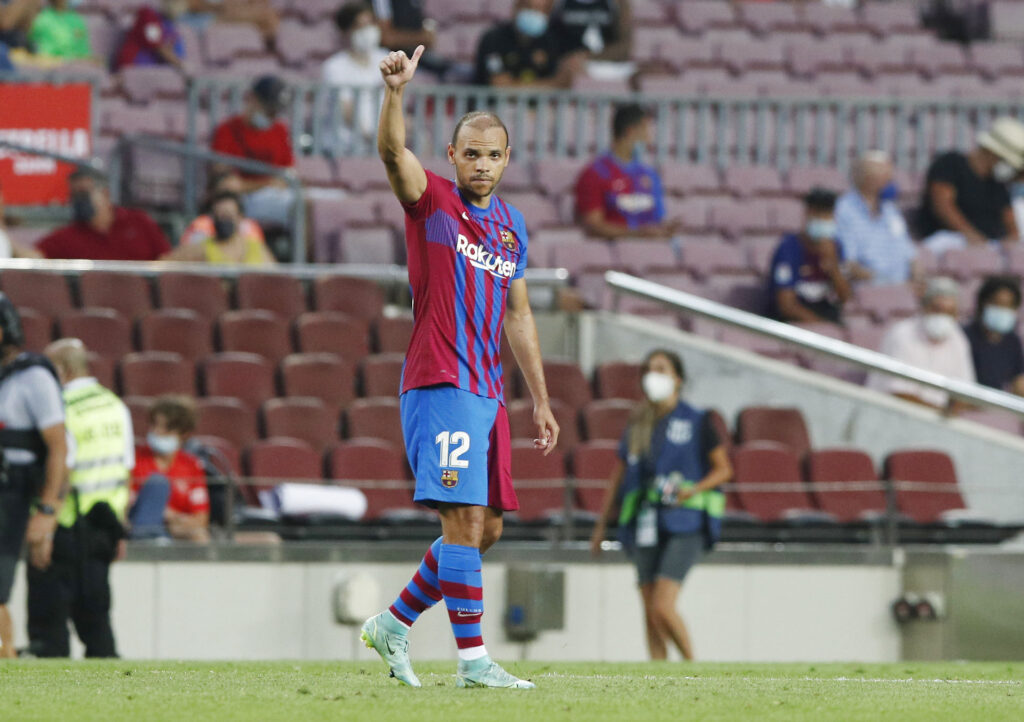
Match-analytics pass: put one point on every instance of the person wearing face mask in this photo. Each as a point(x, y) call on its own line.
point(225, 241)
point(995, 345)
point(58, 31)
point(153, 38)
point(966, 198)
point(807, 283)
point(90, 532)
point(170, 497)
point(619, 195)
point(526, 52)
point(201, 229)
point(665, 494)
point(101, 231)
point(931, 340)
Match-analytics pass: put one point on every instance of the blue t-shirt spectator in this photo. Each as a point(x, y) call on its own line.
point(795, 268)
point(878, 242)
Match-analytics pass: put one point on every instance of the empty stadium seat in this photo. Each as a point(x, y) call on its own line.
point(927, 504)
point(521, 426)
point(276, 461)
point(373, 460)
point(768, 462)
point(333, 332)
point(382, 374)
point(42, 291)
point(377, 418)
point(886, 302)
point(721, 427)
point(152, 373)
point(851, 467)
point(618, 380)
point(565, 381)
point(255, 332)
point(102, 330)
point(37, 327)
point(357, 297)
point(325, 376)
point(782, 425)
point(304, 418)
point(138, 408)
point(227, 418)
point(244, 376)
point(607, 419)
point(178, 330)
point(540, 482)
point(127, 293)
point(393, 334)
point(222, 451)
point(592, 466)
point(206, 295)
point(280, 294)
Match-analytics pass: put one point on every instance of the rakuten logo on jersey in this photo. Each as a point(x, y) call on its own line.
point(480, 257)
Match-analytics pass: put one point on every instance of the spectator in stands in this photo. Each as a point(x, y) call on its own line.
point(8, 248)
point(618, 195)
point(807, 284)
point(403, 26)
point(933, 341)
point(60, 32)
point(870, 226)
point(201, 228)
point(995, 345)
point(16, 17)
point(602, 28)
point(224, 242)
point(257, 135)
point(260, 13)
point(153, 38)
point(526, 51)
point(169, 491)
point(966, 198)
point(357, 66)
point(665, 487)
point(101, 231)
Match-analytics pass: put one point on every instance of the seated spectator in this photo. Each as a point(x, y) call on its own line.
point(357, 66)
point(966, 199)
point(260, 13)
point(16, 17)
point(871, 227)
point(153, 38)
point(60, 32)
point(618, 195)
point(526, 51)
point(169, 494)
point(8, 248)
point(932, 341)
point(807, 284)
point(602, 28)
point(257, 135)
point(224, 241)
point(101, 231)
point(201, 228)
point(995, 346)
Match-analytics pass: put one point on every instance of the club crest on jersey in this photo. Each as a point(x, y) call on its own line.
point(483, 259)
point(508, 239)
point(449, 478)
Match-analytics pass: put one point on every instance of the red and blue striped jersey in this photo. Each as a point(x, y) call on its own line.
point(462, 260)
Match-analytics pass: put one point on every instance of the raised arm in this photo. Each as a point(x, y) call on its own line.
point(405, 174)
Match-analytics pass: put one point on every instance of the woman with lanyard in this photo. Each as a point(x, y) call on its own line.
point(666, 489)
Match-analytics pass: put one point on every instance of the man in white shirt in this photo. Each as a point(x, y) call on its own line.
point(933, 341)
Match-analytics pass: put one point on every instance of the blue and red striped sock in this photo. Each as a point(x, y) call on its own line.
point(462, 587)
point(423, 590)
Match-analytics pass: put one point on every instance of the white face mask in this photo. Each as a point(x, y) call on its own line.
point(1003, 172)
point(366, 39)
point(162, 444)
point(938, 326)
point(658, 386)
point(999, 318)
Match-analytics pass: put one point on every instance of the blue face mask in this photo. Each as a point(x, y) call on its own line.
point(260, 120)
point(890, 193)
point(999, 319)
point(162, 444)
point(532, 23)
point(820, 229)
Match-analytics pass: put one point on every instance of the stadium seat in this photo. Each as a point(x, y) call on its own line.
point(206, 295)
point(886, 302)
point(228, 419)
point(145, 83)
point(42, 291)
point(138, 408)
point(325, 376)
point(592, 465)
point(37, 327)
point(696, 16)
point(103, 369)
point(224, 453)
point(256, 332)
point(540, 482)
point(392, 335)
point(102, 330)
point(781, 425)
point(852, 467)
point(618, 380)
point(376, 245)
point(177, 330)
point(521, 426)
point(304, 418)
point(565, 381)
point(382, 374)
point(333, 332)
point(381, 466)
point(376, 418)
point(280, 294)
point(127, 293)
point(709, 259)
point(276, 461)
point(932, 468)
point(226, 41)
point(244, 376)
point(584, 255)
point(329, 216)
point(684, 180)
point(768, 462)
point(152, 373)
point(639, 257)
point(968, 263)
point(355, 296)
point(721, 427)
point(607, 419)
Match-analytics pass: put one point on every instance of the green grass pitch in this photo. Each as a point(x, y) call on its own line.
point(302, 691)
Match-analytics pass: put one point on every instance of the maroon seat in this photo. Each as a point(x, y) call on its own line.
point(696, 16)
point(37, 327)
point(274, 461)
point(592, 465)
point(846, 467)
point(708, 259)
point(152, 373)
point(127, 293)
point(103, 369)
point(282, 295)
point(382, 374)
point(800, 179)
point(968, 263)
point(393, 334)
point(618, 380)
point(376, 418)
point(206, 295)
point(42, 291)
point(177, 330)
point(256, 332)
point(752, 180)
point(244, 376)
point(566, 383)
point(138, 408)
point(680, 179)
point(364, 245)
point(355, 296)
point(886, 302)
point(721, 427)
point(304, 418)
point(521, 426)
point(102, 330)
point(325, 376)
point(330, 216)
point(226, 41)
point(768, 462)
point(782, 425)
point(380, 467)
point(540, 481)
point(763, 18)
point(227, 418)
point(333, 332)
point(924, 505)
point(607, 419)
point(638, 257)
point(891, 19)
point(224, 452)
point(145, 83)
point(583, 255)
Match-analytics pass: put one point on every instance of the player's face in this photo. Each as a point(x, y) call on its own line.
point(480, 158)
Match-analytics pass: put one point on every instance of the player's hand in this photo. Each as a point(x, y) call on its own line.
point(547, 428)
point(39, 537)
point(398, 68)
point(597, 538)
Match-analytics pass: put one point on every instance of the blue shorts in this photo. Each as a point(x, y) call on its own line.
point(458, 447)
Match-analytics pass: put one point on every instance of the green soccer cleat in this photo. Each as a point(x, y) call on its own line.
point(388, 637)
point(485, 672)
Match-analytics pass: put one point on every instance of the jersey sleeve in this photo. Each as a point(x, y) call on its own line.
point(427, 202)
point(45, 403)
point(589, 192)
point(784, 267)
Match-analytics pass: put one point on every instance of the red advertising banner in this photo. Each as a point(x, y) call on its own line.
point(56, 118)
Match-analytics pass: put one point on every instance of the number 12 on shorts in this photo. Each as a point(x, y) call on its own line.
point(453, 445)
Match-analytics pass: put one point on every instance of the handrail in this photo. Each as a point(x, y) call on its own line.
point(811, 341)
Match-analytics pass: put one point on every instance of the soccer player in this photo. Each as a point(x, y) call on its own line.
point(467, 256)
